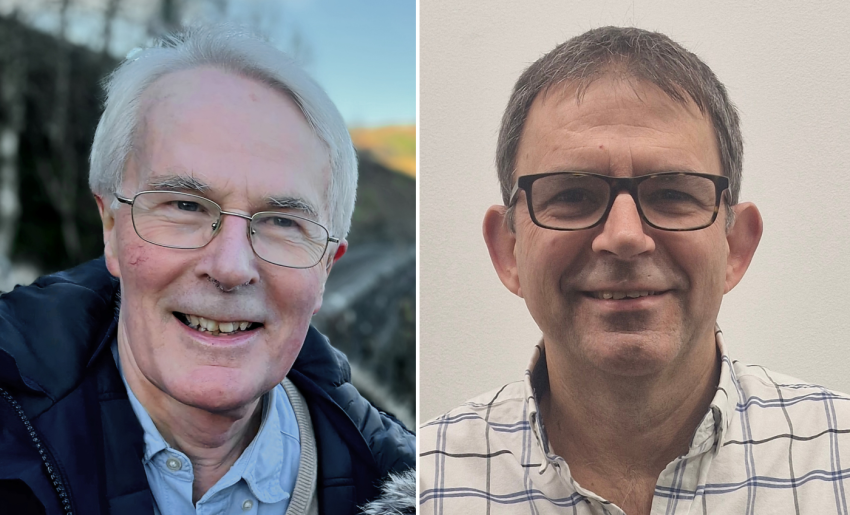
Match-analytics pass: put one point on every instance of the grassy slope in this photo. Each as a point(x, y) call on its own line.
point(393, 146)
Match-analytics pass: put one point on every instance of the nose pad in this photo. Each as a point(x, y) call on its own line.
point(231, 261)
point(216, 226)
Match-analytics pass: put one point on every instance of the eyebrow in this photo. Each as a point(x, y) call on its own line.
point(292, 203)
point(178, 182)
point(189, 183)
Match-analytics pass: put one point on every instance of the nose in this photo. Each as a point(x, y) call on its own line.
point(229, 258)
point(623, 231)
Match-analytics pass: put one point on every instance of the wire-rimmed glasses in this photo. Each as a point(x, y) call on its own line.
point(185, 221)
point(572, 201)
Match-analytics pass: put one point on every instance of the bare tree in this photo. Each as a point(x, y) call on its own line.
point(167, 18)
point(109, 14)
point(13, 76)
point(58, 167)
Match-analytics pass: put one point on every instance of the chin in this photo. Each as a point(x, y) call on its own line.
point(633, 355)
point(217, 391)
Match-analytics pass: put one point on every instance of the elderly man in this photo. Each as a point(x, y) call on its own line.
point(619, 160)
point(225, 179)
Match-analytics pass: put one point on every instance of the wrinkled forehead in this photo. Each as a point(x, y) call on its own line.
point(228, 137)
point(624, 90)
point(591, 119)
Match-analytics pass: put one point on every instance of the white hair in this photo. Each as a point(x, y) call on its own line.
point(232, 50)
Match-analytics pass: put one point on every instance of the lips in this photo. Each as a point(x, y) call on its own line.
point(619, 295)
point(216, 327)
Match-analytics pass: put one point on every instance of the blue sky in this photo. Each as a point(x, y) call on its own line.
point(363, 53)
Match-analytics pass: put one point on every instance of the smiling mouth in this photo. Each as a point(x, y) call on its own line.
point(214, 327)
point(620, 295)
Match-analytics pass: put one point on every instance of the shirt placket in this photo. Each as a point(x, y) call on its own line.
point(678, 485)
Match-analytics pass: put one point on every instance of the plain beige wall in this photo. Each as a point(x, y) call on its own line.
point(786, 65)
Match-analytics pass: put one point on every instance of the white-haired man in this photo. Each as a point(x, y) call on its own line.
point(225, 179)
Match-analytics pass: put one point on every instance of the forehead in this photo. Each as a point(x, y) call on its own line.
point(240, 137)
point(620, 126)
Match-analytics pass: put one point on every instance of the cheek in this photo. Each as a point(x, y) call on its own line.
point(129, 252)
point(136, 262)
point(704, 262)
point(545, 263)
point(297, 292)
point(544, 258)
point(144, 269)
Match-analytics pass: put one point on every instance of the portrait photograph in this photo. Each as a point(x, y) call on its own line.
point(207, 256)
point(630, 213)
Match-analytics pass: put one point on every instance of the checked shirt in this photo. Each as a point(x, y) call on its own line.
point(769, 444)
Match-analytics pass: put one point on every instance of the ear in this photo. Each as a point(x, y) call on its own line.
point(107, 218)
point(340, 250)
point(742, 238)
point(501, 243)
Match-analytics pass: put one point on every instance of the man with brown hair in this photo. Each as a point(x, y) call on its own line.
point(620, 158)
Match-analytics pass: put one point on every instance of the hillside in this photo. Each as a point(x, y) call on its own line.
point(386, 204)
point(392, 146)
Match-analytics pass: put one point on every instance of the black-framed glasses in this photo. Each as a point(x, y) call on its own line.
point(185, 221)
point(572, 201)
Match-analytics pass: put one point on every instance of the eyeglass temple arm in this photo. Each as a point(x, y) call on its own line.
point(123, 200)
point(513, 195)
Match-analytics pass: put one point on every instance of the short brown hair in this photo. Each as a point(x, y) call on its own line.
point(645, 55)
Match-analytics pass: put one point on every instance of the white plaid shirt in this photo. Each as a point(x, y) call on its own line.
point(769, 444)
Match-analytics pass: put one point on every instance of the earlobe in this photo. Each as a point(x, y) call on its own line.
point(501, 242)
point(743, 239)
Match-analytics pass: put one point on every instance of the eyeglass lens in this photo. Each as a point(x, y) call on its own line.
point(179, 220)
point(575, 201)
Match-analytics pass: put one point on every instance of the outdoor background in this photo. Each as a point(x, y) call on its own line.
point(53, 57)
point(786, 66)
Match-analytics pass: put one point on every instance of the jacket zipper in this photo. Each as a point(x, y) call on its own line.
point(52, 470)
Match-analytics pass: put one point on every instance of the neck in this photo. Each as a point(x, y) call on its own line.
point(212, 441)
point(619, 433)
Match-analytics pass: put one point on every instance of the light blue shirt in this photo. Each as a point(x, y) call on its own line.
point(260, 482)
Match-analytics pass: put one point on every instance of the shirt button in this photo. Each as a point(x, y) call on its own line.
point(173, 464)
point(247, 505)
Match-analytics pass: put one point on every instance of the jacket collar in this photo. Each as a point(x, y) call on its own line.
point(74, 307)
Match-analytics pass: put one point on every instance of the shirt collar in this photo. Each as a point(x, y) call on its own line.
point(708, 435)
point(259, 465)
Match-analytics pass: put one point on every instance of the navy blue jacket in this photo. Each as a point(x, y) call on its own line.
point(70, 442)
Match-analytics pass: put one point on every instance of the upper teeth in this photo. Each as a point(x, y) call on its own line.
point(205, 324)
point(617, 295)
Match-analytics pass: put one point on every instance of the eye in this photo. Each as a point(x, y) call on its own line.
point(280, 221)
point(185, 205)
point(671, 195)
point(573, 195)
